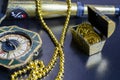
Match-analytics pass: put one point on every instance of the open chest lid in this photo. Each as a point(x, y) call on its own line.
point(101, 22)
point(3, 9)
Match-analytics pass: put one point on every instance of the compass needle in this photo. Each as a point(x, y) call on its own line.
point(11, 55)
point(8, 55)
point(14, 55)
point(2, 55)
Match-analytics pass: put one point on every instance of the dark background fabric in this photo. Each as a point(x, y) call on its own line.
point(78, 66)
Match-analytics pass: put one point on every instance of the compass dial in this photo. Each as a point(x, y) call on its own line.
point(14, 45)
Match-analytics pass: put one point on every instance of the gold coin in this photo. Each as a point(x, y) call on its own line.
point(86, 25)
point(84, 28)
point(92, 38)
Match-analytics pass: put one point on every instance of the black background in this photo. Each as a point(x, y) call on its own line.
point(78, 66)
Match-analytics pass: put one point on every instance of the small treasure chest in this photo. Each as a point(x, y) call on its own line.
point(91, 35)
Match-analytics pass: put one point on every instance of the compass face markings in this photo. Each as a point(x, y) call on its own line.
point(19, 53)
point(5, 55)
point(21, 40)
point(1, 51)
point(2, 55)
point(14, 54)
point(15, 46)
point(11, 55)
point(8, 55)
point(12, 37)
point(25, 41)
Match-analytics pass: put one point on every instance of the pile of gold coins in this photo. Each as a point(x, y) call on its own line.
point(86, 30)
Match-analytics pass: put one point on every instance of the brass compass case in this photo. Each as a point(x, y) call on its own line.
point(102, 25)
point(18, 46)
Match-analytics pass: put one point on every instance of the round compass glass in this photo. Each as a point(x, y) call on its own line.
point(14, 45)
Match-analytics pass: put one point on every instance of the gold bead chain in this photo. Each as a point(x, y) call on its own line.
point(37, 68)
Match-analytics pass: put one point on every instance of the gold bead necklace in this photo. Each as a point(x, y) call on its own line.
point(37, 68)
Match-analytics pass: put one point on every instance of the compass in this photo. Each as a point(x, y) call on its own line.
point(17, 46)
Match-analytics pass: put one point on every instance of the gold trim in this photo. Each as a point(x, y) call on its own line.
point(11, 27)
point(2, 29)
point(11, 62)
point(34, 36)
